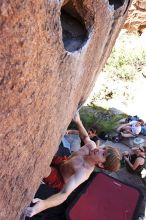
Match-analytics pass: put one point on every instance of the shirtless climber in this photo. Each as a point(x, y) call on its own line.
point(76, 169)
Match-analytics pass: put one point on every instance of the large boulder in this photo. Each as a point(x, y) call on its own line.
point(136, 20)
point(51, 53)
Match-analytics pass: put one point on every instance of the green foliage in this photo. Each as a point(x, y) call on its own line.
point(104, 119)
point(88, 118)
point(110, 125)
point(122, 70)
point(126, 58)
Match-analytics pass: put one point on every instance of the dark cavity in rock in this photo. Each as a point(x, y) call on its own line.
point(74, 31)
point(117, 3)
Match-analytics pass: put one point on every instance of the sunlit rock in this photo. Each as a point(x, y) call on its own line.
point(136, 20)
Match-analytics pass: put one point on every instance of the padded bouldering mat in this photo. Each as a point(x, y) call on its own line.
point(105, 198)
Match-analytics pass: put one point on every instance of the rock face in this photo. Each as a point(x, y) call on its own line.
point(136, 20)
point(50, 55)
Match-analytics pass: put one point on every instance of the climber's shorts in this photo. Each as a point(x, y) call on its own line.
point(55, 179)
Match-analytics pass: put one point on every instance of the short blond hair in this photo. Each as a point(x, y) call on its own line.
point(113, 159)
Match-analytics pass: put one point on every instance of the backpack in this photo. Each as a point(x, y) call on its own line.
point(131, 118)
point(103, 135)
point(117, 138)
point(143, 130)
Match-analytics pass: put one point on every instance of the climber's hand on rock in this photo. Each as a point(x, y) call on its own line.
point(38, 207)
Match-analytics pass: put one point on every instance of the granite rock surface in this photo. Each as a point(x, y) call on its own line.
point(136, 20)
